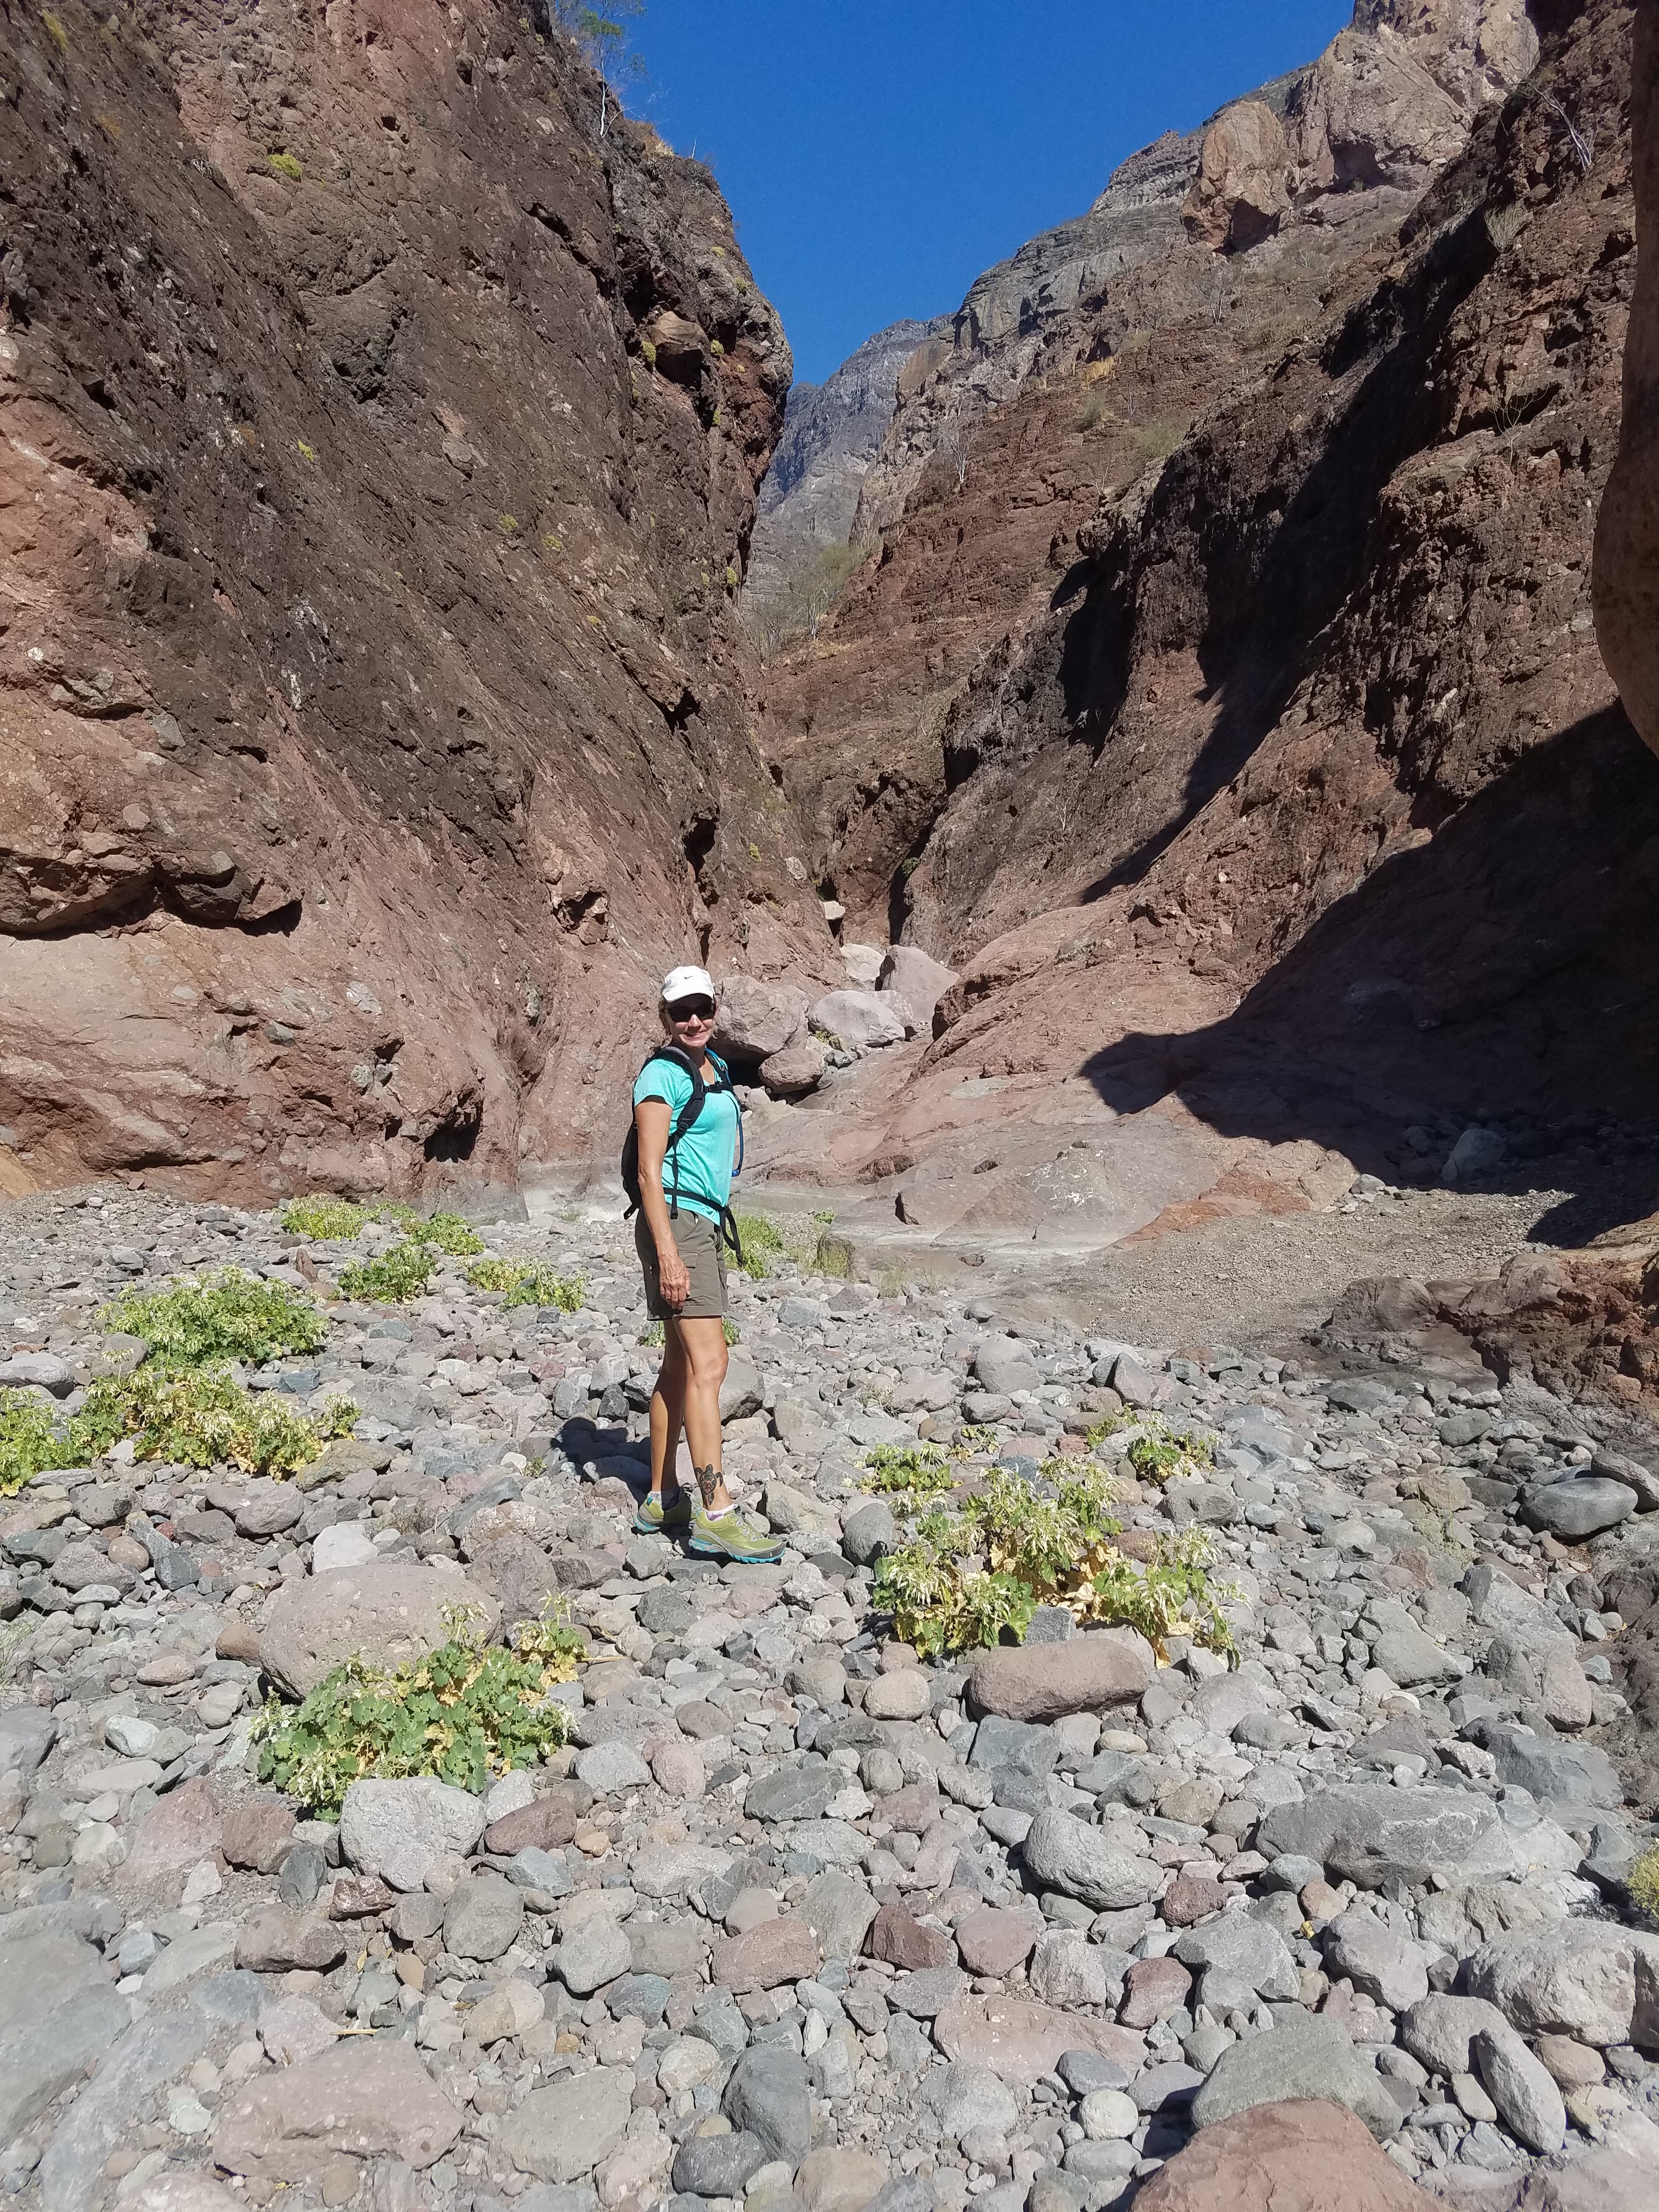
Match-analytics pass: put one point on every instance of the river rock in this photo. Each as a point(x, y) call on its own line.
point(1303, 2055)
point(388, 1612)
point(401, 1830)
point(1062, 1853)
point(1106, 1668)
point(1306, 2155)
point(366, 2097)
point(562, 2131)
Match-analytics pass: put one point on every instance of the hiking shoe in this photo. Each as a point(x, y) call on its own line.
point(656, 1519)
point(732, 1536)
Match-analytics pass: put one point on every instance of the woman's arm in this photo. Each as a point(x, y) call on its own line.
point(653, 1119)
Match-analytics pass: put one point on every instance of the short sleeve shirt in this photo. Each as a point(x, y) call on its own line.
point(705, 1155)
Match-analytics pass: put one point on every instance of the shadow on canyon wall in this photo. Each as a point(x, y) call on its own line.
point(1539, 1011)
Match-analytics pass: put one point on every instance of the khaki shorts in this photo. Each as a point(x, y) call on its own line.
point(698, 1242)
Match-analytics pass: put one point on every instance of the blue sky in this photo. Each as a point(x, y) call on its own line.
point(879, 153)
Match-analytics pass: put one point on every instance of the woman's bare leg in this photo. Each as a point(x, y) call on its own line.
point(667, 1413)
point(702, 1347)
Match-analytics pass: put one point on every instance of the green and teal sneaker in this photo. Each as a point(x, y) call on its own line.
point(732, 1536)
point(656, 1519)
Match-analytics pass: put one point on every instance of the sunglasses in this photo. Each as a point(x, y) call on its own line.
point(692, 1010)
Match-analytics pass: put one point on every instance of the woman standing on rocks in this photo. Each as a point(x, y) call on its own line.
point(688, 1130)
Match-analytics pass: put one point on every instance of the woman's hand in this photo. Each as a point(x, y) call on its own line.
point(673, 1276)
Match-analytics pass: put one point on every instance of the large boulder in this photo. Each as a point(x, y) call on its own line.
point(859, 1019)
point(1591, 1979)
point(1303, 2055)
point(400, 1829)
point(1041, 1681)
point(388, 1614)
point(1306, 2154)
point(919, 981)
point(1370, 1833)
point(368, 2099)
point(755, 1018)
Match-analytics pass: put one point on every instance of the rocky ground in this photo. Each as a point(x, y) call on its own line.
point(794, 1919)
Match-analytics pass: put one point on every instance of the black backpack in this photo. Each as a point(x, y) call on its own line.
point(683, 1121)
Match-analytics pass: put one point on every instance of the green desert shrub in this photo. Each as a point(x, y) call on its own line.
point(465, 1713)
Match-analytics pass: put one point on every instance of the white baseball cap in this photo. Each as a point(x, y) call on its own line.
point(687, 983)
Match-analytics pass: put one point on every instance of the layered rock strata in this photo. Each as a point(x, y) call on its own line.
point(381, 442)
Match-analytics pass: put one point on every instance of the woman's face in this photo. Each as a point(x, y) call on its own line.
point(692, 1021)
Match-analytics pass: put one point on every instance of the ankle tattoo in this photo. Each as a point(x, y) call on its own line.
point(708, 1481)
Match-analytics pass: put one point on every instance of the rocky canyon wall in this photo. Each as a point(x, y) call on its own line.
point(1080, 363)
point(379, 461)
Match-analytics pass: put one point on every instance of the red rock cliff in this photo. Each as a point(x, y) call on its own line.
point(379, 453)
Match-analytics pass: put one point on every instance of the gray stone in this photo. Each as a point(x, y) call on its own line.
point(389, 1613)
point(1574, 1510)
point(967, 2097)
point(1065, 1968)
point(483, 1917)
point(1062, 1853)
point(1004, 1365)
point(534, 1868)
point(908, 2049)
point(1084, 2071)
point(1302, 2055)
point(1387, 1966)
point(1243, 1950)
point(769, 2094)
point(1407, 1655)
point(1528, 2100)
point(925, 1995)
point(717, 2166)
point(72, 2019)
point(839, 1910)
point(1439, 2030)
point(1014, 1745)
point(869, 1533)
point(611, 1768)
point(109, 2108)
point(268, 1507)
point(1571, 1775)
point(26, 1734)
point(800, 1792)
point(566, 2129)
point(592, 1954)
point(1370, 1834)
point(400, 1829)
point(1587, 1979)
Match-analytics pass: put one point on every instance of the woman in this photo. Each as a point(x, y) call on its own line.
point(685, 1179)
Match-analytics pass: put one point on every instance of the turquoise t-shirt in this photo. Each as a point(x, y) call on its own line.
point(705, 1153)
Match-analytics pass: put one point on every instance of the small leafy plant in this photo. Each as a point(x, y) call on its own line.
point(967, 1577)
point(973, 1436)
point(1157, 1452)
point(320, 1215)
point(1643, 1883)
point(762, 1245)
point(285, 166)
point(528, 1283)
point(450, 1232)
point(29, 1444)
point(399, 1274)
point(906, 1471)
point(323, 1217)
point(229, 1315)
point(199, 1417)
point(463, 1713)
